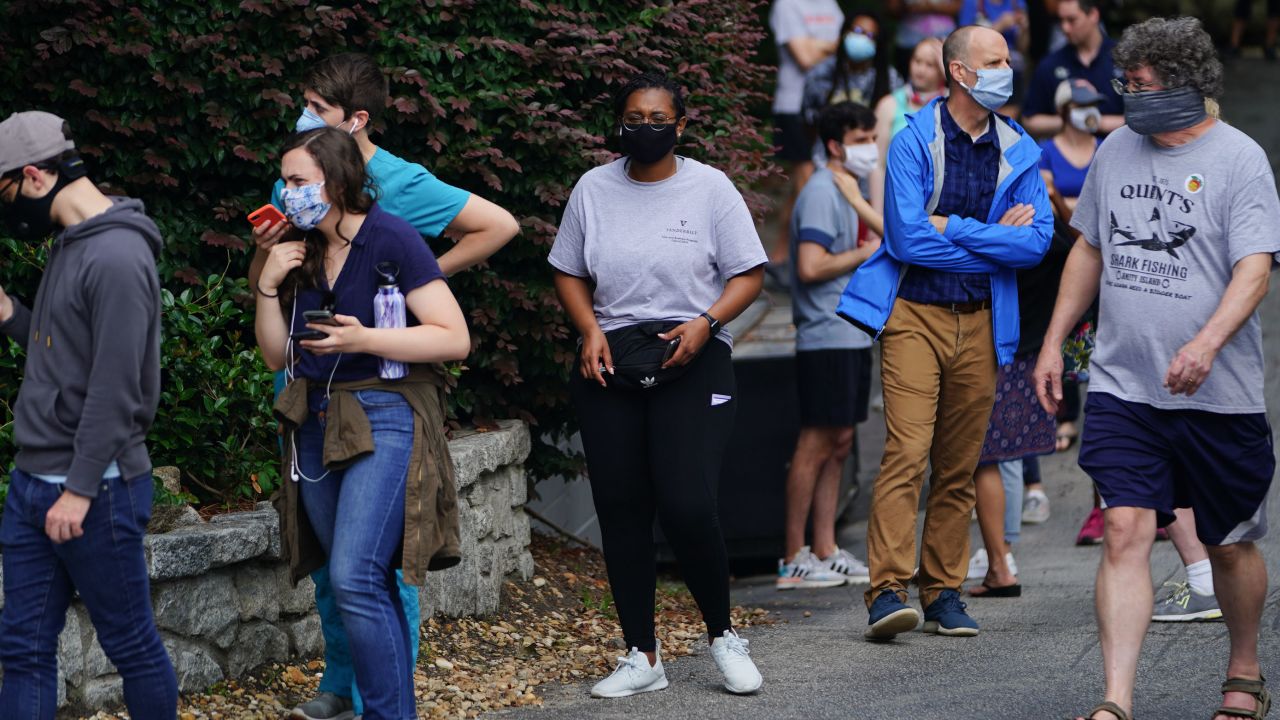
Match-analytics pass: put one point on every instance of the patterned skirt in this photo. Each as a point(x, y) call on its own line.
point(1019, 427)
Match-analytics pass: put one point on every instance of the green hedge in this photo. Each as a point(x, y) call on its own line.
point(185, 105)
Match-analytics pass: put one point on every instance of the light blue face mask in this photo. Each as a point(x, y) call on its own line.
point(304, 206)
point(309, 121)
point(993, 89)
point(859, 47)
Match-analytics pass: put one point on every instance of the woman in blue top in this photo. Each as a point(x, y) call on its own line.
point(1065, 158)
point(357, 511)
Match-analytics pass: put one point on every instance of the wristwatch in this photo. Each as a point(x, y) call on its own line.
point(715, 324)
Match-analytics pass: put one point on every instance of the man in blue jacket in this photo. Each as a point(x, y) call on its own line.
point(964, 209)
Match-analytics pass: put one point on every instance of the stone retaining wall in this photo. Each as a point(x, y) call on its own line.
point(224, 604)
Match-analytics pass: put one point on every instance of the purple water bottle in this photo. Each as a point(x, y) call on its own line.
point(388, 312)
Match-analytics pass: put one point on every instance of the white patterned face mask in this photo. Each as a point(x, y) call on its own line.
point(304, 206)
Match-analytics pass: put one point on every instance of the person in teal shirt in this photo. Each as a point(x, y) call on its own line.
point(345, 91)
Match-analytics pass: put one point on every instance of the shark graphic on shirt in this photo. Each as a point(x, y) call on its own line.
point(1177, 238)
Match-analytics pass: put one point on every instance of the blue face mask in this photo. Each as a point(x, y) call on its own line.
point(993, 89)
point(304, 206)
point(859, 47)
point(309, 121)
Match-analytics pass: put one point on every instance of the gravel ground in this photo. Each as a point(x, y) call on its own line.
point(559, 627)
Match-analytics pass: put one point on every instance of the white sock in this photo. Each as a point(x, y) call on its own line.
point(1200, 575)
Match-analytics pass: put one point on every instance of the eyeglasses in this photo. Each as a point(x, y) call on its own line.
point(862, 31)
point(655, 122)
point(15, 181)
point(1133, 86)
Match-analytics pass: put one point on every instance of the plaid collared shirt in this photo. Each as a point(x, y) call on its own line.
point(968, 187)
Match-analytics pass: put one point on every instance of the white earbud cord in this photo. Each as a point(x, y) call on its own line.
point(295, 471)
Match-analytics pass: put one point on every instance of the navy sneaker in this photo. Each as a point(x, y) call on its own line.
point(946, 616)
point(890, 616)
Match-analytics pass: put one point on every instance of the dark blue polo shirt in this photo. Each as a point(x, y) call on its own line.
point(1063, 64)
point(382, 237)
point(968, 187)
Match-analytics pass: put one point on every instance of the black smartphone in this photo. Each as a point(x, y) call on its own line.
point(309, 334)
point(671, 349)
point(320, 317)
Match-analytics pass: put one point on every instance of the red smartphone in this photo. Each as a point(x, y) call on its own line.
point(266, 213)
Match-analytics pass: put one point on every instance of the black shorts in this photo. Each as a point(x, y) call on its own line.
point(1219, 465)
point(834, 386)
point(790, 141)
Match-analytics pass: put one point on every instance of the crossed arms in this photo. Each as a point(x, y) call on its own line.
point(1018, 240)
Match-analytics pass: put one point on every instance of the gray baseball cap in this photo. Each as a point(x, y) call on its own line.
point(27, 138)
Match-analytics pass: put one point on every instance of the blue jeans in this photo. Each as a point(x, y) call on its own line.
point(339, 673)
point(106, 566)
point(1011, 479)
point(358, 516)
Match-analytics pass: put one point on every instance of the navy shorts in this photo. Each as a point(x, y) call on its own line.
point(834, 386)
point(1219, 465)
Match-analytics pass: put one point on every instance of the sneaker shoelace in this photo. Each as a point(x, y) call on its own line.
point(1181, 593)
point(735, 644)
point(951, 603)
point(634, 663)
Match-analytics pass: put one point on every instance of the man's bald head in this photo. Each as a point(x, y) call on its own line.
point(975, 46)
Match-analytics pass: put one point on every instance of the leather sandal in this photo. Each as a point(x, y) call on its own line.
point(1249, 686)
point(1110, 707)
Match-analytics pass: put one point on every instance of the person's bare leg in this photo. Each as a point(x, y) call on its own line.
point(1273, 28)
point(1237, 32)
point(1240, 581)
point(813, 446)
point(826, 495)
point(990, 489)
point(799, 173)
point(1124, 599)
point(1183, 534)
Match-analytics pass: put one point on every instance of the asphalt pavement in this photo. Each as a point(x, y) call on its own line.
point(1036, 657)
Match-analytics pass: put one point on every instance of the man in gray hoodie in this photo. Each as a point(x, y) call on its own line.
point(80, 493)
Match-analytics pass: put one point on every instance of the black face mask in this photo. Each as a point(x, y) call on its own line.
point(31, 218)
point(647, 145)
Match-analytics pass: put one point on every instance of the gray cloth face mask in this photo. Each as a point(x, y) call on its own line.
point(1162, 111)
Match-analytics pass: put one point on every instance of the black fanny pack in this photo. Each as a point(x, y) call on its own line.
point(638, 354)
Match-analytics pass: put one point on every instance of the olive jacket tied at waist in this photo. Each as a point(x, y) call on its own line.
point(431, 540)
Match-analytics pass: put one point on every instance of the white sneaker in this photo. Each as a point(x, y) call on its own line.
point(633, 676)
point(979, 564)
point(734, 660)
point(806, 571)
point(855, 572)
point(1035, 507)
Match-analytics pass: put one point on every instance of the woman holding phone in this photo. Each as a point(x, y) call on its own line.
point(353, 439)
point(654, 254)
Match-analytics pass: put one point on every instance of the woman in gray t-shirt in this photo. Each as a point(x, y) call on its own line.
point(657, 251)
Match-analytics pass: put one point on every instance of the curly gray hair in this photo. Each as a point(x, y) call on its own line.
point(1178, 51)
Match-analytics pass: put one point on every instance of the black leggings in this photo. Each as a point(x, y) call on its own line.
point(659, 452)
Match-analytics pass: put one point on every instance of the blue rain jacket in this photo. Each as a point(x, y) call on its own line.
point(913, 185)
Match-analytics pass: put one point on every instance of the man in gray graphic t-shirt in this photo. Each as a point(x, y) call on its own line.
point(1177, 218)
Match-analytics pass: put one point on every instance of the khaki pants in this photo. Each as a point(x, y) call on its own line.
point(938, 369)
